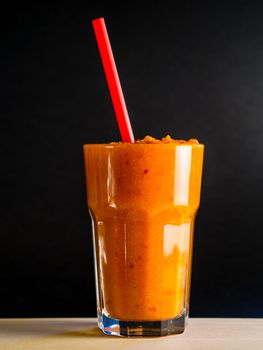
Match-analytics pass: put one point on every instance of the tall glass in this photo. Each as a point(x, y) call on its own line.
point(143, 200)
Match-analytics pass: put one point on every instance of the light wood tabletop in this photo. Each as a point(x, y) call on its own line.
point(82, 333)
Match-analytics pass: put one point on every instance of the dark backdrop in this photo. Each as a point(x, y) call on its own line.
point(190, 71)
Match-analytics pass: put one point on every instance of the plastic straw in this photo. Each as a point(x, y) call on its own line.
point(113, 80)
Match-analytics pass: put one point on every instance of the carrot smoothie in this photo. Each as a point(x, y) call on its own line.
point(143, 198)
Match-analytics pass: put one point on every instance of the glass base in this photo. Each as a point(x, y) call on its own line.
point(116, 327)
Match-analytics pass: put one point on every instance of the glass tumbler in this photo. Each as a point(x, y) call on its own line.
point(143, 199)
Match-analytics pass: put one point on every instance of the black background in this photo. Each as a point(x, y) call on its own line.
point(192, 70)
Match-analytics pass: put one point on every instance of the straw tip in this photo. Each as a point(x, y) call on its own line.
point(96, 20)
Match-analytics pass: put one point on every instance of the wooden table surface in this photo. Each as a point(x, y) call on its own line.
point(82, 333)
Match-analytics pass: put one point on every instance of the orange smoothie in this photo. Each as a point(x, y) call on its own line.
point(143, 198)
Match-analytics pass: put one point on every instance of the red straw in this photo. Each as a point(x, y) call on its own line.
point(113, 80)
